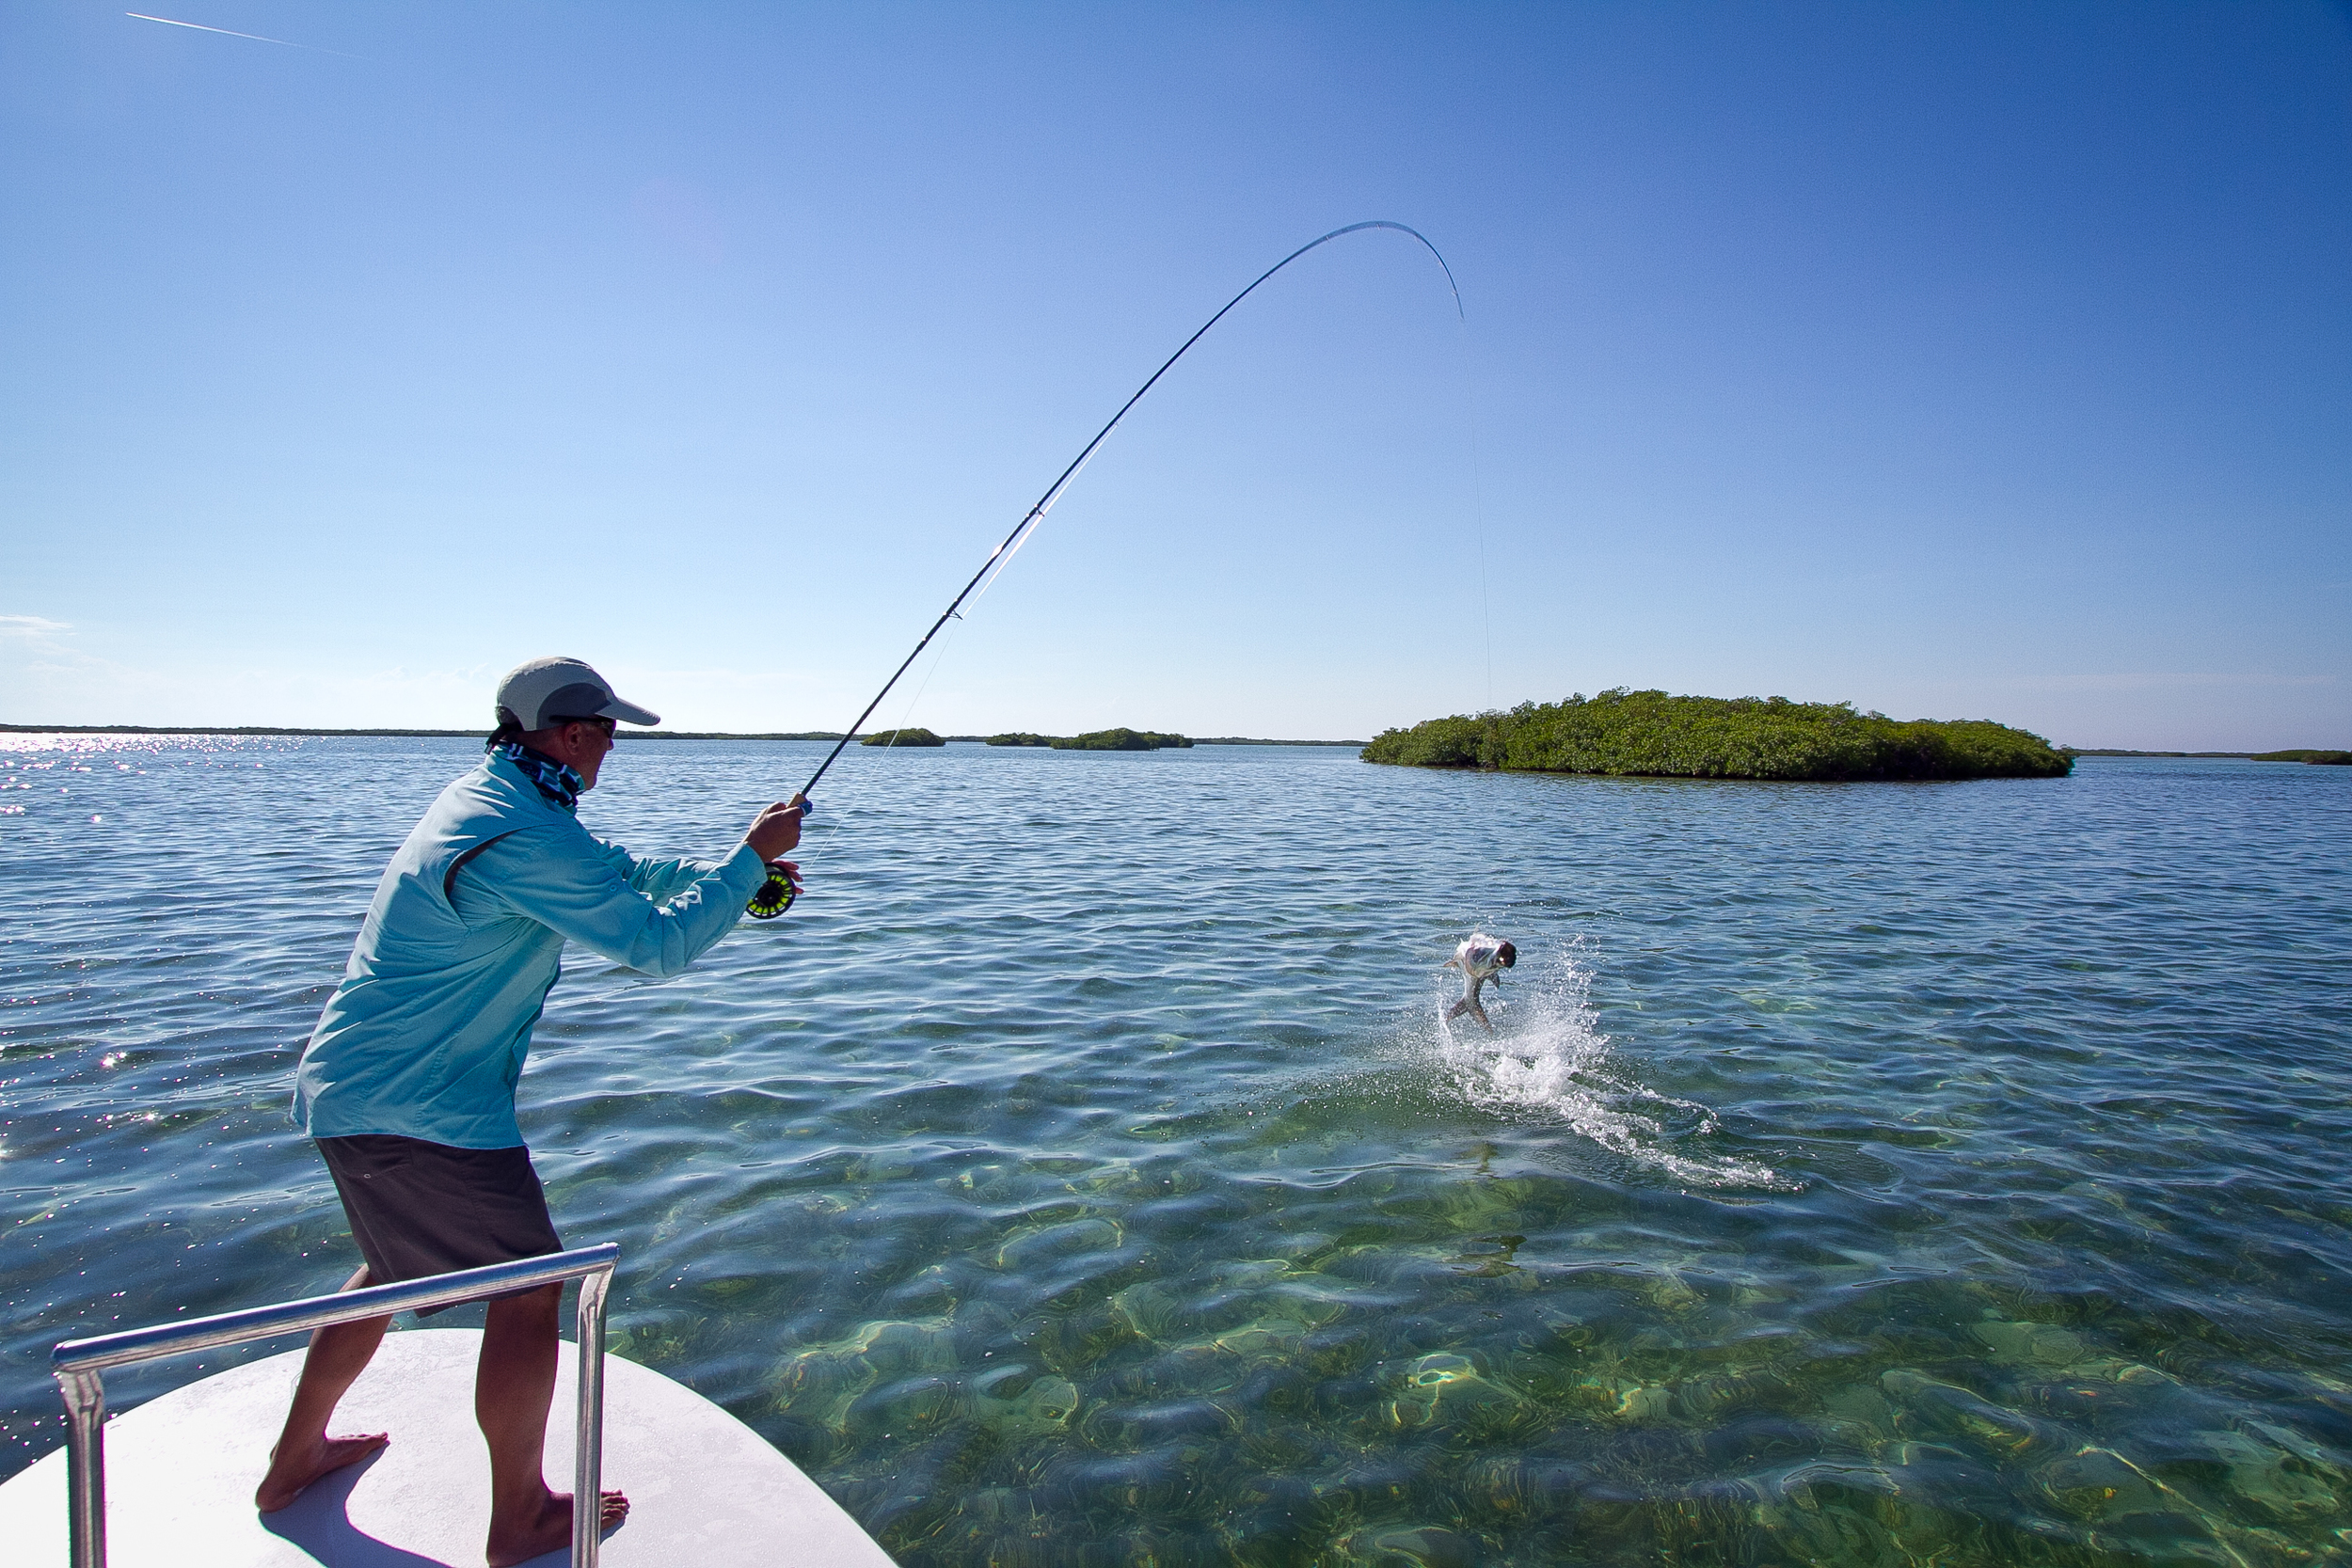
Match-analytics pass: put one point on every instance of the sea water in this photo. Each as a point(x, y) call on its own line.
point(1084, 1169)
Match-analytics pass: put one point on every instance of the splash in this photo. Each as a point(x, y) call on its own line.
point(1546, 1059)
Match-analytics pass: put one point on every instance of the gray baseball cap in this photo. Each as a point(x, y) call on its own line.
point(536, 694)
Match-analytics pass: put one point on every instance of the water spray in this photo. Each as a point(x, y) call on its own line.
point(775, 895)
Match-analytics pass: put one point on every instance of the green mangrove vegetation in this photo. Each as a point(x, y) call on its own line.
point(2305, 753)
point(1650, 733)
point(1096, 740)
point(1120, 740)
point(916, 736)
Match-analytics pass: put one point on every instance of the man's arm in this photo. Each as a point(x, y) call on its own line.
point(567, 881)
point(775, 832)
point(571, 882)
point(564, 879)
point(656, 879)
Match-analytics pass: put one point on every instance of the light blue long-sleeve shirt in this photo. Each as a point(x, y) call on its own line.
point(427, 1033)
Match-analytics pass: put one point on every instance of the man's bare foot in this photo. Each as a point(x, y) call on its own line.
point(289, 1473)
point(552, 1532)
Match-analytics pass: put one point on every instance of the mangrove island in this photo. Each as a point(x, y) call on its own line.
point(1654, 734)
point(1096, 740)
point(915, 736)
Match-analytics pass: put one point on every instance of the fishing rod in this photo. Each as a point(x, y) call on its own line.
point(775, 895)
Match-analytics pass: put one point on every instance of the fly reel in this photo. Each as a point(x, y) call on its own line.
point(775, 896)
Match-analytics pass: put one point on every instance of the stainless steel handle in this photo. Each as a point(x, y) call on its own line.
point(85, 1453)
point(79, 1367)
point(588, 1452)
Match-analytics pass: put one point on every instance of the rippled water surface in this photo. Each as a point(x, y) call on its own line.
point(1082, 1172)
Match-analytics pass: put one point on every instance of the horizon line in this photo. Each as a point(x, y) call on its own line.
point(635, 733)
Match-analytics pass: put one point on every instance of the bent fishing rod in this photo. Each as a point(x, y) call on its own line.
point(776, 894)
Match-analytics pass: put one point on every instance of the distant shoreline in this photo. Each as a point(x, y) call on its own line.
point(478, 734)
point(788, 734)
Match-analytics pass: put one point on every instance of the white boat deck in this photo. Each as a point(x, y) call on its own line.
point(703, 1488)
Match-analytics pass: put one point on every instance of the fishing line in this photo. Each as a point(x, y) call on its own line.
point(1478, 516)
point(929, 675)
point(776, 895)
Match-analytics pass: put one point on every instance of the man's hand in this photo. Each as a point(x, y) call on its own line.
point(775, 831)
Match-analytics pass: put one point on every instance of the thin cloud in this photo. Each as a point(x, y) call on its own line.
point(31, 625)
point(226, 32)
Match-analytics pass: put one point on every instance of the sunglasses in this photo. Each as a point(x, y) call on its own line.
point(606, 724)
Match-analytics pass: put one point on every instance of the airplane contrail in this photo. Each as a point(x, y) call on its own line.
point(225, 32)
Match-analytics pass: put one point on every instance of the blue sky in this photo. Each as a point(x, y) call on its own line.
point(1956, 360)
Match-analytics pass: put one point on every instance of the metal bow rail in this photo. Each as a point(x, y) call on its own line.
point(80, 1364)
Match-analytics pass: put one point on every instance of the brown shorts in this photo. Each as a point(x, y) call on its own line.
point(419, 1208)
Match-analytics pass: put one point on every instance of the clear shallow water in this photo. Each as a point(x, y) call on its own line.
point(1081, 1172)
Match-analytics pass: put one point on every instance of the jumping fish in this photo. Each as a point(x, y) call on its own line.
point(1480, 959)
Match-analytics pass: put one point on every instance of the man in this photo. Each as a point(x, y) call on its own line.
point(408, 1080)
